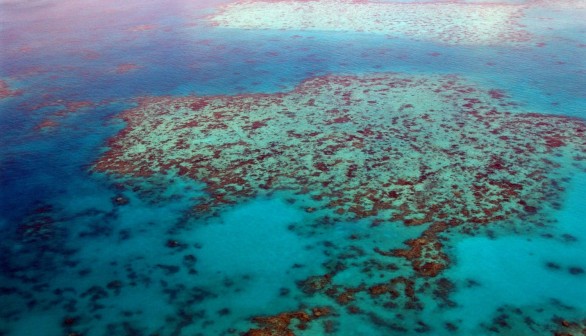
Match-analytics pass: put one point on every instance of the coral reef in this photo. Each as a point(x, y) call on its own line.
point(6, 92)
point(446, 22)
point(281, 324)
point(421, 150)
point(435, 152)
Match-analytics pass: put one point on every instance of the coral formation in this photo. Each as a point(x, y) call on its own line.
point(432, 151)
point(435, 152)
point(446, 22)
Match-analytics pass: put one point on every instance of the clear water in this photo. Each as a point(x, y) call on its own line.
point(73, 260)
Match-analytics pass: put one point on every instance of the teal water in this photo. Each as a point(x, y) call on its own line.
point(533, 272)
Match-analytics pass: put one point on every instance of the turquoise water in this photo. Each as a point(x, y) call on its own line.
point(533, 272)
point(97, 253)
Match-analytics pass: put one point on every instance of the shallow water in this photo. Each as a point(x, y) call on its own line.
point(129, 204)
point(525, 271)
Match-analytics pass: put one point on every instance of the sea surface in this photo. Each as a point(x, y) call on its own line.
point(104, 233)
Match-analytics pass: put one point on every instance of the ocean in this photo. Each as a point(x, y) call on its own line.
point(292, 167)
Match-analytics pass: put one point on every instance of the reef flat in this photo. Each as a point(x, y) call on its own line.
point(435, 152)
point(446, 22)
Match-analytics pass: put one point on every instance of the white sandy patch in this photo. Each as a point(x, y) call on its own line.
point(452, 23)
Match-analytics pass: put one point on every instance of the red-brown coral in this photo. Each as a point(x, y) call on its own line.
point(281, 324)
point(421, 150)
point(6, 92)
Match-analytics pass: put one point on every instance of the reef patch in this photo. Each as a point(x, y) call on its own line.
point(445, 22)
point(421, 150)
point(6, 91)
point(436, 153)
